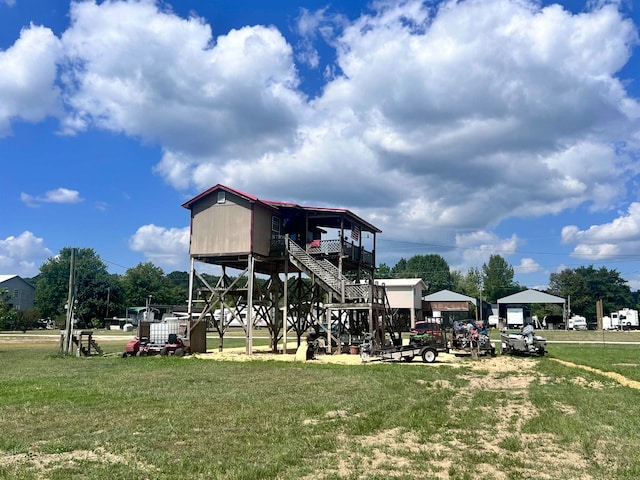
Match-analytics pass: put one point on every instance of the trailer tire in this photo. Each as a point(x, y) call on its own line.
point(429, 355)
point(179, 352)
point(408, 358)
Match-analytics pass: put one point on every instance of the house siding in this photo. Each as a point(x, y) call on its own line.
point(221, 228)
point(21, 294)
point(262, 230)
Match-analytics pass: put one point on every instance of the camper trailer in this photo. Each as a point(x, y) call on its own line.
point(577, 322)
point(625, 319)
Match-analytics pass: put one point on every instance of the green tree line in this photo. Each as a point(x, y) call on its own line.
point(103, 295)
point(583, 286)
point(99, 294)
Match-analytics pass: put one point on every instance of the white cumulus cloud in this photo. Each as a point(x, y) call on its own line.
point(18, 255)
point(477, 247)
point(437, 118)
point(59, 195)
point(27, 84)
point(618, 237)
point(165, 247)
point(527, 265)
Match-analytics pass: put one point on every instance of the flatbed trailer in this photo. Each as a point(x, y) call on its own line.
point(426, 347)
point(407, 353)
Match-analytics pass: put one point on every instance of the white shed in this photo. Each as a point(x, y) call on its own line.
point(405, 293)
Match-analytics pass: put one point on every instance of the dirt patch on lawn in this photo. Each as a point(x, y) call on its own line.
point(42, 465)
point(497, 451)
point(298, 354)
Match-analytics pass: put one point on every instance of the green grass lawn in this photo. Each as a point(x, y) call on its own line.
point(166, 418)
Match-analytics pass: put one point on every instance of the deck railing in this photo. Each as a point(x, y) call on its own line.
point(353, 253)
point(327, 248)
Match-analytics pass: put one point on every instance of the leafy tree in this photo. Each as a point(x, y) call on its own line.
point(399, 268)
point(6, 314)
point(457, 281)
point(498, 279)
point(585, 285)
point(92, 282)
point(143, 280)
point(472, 283)
point(383, 271)
point(177, 285)
point(116, 302)
point(178, 279)
point(26, 319)
point(432, 268)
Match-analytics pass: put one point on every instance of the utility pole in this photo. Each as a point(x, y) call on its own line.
point(106, 315)
point(71, 299)
point(599, 314)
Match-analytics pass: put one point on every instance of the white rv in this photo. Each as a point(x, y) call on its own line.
point(239, 319)
point(577, 322)
point(624, 319)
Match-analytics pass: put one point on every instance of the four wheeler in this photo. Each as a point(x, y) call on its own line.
point(524, 342)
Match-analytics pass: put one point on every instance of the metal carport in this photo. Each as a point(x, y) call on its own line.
point(527, 297)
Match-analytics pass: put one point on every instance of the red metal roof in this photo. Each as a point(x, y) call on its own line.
point(219, 186)
point(352, 217)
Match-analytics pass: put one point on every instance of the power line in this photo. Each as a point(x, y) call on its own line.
point(116, 264)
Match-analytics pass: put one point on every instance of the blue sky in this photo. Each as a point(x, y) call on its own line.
point(460, 128)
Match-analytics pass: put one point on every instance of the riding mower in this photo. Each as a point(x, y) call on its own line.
point(523, 342)
point(141, 348)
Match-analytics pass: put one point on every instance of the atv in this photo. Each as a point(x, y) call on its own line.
point(523, 343)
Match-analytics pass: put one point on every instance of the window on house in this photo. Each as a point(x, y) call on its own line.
point(275, 226)
point(222, 196)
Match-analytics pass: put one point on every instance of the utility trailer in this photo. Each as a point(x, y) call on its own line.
point(424, 346)
point(407, 353)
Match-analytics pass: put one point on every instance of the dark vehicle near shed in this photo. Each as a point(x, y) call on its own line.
point(429, 328)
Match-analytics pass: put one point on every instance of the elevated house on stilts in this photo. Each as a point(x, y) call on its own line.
point(298, 267)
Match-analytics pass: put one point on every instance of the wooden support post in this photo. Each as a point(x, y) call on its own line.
point(329, 329)
point(223, 313)
point(285, 311)
point(251, 263)
point(71, 298)
point(190, 304)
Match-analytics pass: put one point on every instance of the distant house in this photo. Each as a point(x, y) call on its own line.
point(20, 294)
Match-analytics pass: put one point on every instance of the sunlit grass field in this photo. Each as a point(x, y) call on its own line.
point(165, 418)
